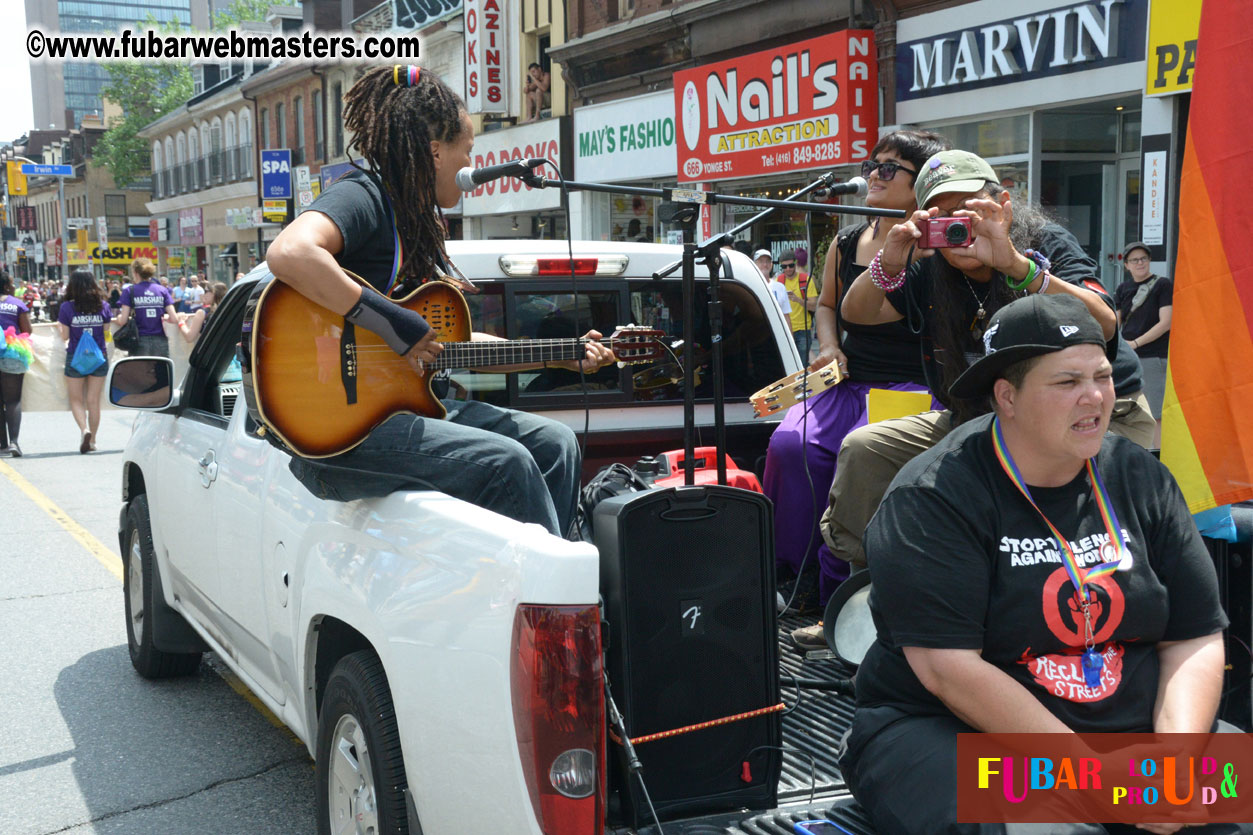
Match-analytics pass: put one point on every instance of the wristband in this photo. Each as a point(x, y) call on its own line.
point(1032, 269)
point(1044, 285)
point(399, 327)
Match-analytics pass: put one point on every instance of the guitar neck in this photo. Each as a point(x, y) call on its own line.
point(511, 352)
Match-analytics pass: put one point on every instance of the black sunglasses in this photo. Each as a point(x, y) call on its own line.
point(788, 265)
point(887, 170)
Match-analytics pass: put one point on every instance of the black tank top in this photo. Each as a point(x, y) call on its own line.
point(888, 353)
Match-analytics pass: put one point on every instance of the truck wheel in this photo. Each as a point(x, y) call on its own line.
point(361, 772)
point(138, 570)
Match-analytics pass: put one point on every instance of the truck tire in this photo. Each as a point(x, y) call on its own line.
point(138, 572)
point(361, 771)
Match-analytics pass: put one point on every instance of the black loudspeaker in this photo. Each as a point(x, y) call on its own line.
point(687, 576)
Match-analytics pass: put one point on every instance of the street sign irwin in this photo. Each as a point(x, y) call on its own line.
point(32, 169)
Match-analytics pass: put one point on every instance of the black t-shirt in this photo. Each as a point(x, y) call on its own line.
point(1135, 325)
point(889, 353)
point(1069, 262)
point(357, 205)
point(960, 560)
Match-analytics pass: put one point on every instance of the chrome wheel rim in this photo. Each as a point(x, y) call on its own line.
point(135, 594)
point(353, 805)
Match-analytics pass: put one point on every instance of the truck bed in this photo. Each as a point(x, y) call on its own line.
point(810, 786)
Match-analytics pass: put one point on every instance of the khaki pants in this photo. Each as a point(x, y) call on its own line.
point(871, 456)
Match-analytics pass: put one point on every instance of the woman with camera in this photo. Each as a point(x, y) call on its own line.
point(800, 461)
point(948, 298)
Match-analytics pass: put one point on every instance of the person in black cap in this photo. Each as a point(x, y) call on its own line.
point(1144, 303)
point(980, 626)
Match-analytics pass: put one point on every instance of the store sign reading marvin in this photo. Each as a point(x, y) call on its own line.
point(810, 104)
point(1073, 38)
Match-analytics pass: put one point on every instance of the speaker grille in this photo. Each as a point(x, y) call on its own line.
point(688, 580)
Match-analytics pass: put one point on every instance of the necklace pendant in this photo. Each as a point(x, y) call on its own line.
point(981, 313)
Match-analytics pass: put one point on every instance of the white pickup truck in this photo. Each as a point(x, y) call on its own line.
point(435, 657)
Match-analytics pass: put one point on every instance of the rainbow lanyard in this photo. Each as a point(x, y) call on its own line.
point(397, 252)
point(1117, 556)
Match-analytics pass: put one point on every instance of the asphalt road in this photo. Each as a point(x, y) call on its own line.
point(87, 745)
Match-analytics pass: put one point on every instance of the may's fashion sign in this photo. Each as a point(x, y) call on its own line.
point(811, 104)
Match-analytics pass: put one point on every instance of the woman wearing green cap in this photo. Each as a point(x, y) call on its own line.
point(948, 297)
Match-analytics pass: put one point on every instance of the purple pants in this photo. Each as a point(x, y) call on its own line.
point(813, 432)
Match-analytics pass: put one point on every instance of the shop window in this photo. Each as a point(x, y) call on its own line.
point(991, 137)
point(537, 82)
point(632, 218)
point(1076, 132)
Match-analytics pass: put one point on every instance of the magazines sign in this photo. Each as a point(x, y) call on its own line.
point(811, 104)
point(485, 56)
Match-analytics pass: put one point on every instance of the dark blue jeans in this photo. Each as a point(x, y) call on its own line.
point(520, 465)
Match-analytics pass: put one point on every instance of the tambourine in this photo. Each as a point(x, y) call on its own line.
point(795, 388)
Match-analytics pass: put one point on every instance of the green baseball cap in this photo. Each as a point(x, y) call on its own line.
point(952, 171)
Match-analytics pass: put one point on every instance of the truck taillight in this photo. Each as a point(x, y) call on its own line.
point(559, 715)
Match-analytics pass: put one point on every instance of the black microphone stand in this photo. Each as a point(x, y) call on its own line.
point(687, 203)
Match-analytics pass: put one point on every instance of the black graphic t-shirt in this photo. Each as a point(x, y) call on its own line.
point(357, 205)
point(960, 560)
point(913, 300)
point(1137, 323)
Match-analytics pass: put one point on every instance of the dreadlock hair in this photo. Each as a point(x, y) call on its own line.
point(393, 127)
point(950, 295)
point(84, 292)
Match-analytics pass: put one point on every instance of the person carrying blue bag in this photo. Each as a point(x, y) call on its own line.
point(81, 322)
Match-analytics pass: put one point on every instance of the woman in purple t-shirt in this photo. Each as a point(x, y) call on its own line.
point(13, 314)
point(84, 310)
point(149, 303)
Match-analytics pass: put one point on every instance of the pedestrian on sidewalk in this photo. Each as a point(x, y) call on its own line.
point(150, 302)
point(13, 314)
point(84, 311)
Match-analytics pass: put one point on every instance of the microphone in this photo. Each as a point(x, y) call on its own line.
point(857, 186)
point(468, 179)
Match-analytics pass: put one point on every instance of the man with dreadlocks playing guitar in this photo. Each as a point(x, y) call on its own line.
point(384, 222)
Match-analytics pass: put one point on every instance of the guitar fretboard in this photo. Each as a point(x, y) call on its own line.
point(511, 352)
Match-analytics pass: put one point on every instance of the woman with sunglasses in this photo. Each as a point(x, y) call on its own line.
point(800, 462)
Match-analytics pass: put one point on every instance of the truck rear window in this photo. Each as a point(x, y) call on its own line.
point(548, 310)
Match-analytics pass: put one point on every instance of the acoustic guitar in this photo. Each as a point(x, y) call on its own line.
point(321, 385)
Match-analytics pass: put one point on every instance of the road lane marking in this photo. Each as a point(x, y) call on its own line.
point(81, 535)
point(113, 562)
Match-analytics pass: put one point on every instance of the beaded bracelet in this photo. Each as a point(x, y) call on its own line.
point(879, 278)
point(1032, 269)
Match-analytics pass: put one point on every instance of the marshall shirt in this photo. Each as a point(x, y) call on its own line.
point(960, 560)
point(147, 301)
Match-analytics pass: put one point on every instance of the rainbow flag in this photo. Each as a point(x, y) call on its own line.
point(1207, 417)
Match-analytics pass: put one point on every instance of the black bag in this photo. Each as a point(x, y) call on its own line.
point(126, 338)
point(613, 480)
